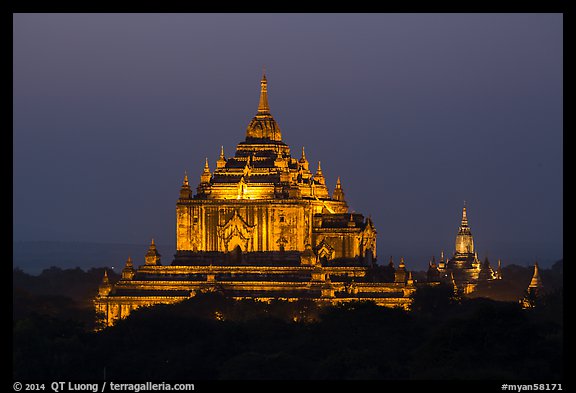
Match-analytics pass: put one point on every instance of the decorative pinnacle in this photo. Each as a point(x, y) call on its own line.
point(263, 106)
point(206, 167)
point(338, 184)
point(464, 216)
point(303, 154)
point(129, 262)
point(319, 171)
point(222, 153)
point(402, 264)
point(185, 182)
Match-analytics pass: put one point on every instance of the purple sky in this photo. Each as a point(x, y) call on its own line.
point(415, 113)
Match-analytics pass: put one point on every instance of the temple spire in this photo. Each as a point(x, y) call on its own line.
point(221, 162)
point(303, 161)
point(263, 128)
point(338, 194)
point(464, 216)
point(464, 240)
point(402, 264)
point(152, 256)
point(319, 176)
point(263, 106)
point(106, 286)
point(536, 282)
point(185, 191)
point(400, 274)
point(128, 272)
point(206, 175)
point(185, 182)
point(533, 292)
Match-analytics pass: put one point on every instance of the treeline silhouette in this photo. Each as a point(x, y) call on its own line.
point(211, 336)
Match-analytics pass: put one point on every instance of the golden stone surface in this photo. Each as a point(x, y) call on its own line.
point(261, 226)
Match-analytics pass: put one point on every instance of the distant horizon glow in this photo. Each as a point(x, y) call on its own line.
point(414, 112)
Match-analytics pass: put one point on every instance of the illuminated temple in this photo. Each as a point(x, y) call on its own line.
point(464, 270)
point(261, 225)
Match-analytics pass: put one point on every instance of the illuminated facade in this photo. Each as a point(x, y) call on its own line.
point(464, 270)
point(262, 226)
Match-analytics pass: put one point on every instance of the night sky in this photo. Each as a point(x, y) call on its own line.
point(415, 112)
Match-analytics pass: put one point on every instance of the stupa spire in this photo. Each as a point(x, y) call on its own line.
point(263, 128)
point(464, 240)
point(185, 191)
point(152, 256)
point(206, 175)
point(338, 194)
point(263, 106)
point(319, 176)
point(464, 216)
point(221, 162)
point(185, 182)
point(536, 281)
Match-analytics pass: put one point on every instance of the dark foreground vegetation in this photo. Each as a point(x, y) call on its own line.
point(212, 337)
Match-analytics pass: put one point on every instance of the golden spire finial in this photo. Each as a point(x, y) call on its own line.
point(206, 175)
point(303, 153)
point(338, 184)
point(185, 182)
point(263, 106)
point(152, 243)
point(221, 162)
point(464, 216)
point(319, 171)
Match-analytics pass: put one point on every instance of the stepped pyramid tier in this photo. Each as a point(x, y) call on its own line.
point(264, 200)
point(261, 226)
